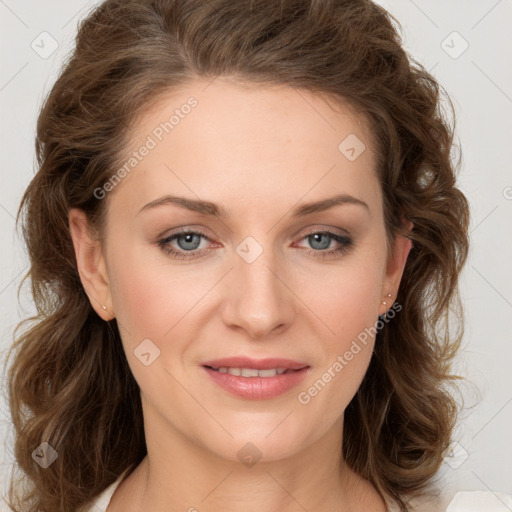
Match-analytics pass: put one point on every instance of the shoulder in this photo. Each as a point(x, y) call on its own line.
point(476, 501)
point(462, 501)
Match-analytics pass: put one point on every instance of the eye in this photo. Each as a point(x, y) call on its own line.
point(187, 242)
point(322, 240)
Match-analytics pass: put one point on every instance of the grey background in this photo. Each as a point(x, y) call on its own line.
point(479, 81)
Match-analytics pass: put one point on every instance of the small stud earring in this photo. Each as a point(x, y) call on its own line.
point(384, 302)
point(389, 294)
point(104, 307)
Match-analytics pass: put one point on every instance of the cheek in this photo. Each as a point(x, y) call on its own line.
point(345, 299)
point(147, 304)
point(150, 306)
point(351, 314)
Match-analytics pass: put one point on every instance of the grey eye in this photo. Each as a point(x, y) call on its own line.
point(317, 242)
point(191, 241)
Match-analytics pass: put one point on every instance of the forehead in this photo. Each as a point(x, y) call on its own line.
point(225, 107)
point(250, 142)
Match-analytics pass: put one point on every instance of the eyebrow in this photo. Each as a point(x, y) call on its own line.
point(209, 208)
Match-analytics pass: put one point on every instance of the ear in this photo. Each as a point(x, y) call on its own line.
point(90, 264)
point(395, 269)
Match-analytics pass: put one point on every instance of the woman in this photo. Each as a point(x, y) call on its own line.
point(245, 235)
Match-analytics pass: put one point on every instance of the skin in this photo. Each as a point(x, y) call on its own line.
point(258, 152)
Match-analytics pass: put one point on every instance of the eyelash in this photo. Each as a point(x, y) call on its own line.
point(345, 241)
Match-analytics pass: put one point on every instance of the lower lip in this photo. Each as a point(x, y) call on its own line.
point(257, 388)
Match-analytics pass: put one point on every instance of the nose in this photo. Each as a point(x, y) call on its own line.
point(258, 300)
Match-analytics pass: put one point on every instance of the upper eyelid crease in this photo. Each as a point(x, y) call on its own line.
point(209, 208)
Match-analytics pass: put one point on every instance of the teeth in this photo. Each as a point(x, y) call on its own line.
point(251, 372)
point(272, 372)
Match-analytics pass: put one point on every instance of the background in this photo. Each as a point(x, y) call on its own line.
point(466, 45)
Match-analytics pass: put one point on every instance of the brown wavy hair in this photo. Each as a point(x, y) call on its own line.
point(69, 381)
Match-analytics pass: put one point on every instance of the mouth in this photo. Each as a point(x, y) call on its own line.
point(252, 379)
point(252, 372)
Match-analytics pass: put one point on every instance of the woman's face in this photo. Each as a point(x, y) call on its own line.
point(254, 281)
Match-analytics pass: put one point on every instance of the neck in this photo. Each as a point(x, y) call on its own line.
point(179, 474)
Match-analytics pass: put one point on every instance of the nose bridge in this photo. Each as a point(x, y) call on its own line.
point(257, 300)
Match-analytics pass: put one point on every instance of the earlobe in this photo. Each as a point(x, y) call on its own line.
point(90, 264)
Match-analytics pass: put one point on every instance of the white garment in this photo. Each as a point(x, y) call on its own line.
point(102, 501)
point(464, 501)
point(478, 501)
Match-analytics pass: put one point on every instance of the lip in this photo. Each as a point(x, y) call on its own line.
point(257, 388)
point(261, 364)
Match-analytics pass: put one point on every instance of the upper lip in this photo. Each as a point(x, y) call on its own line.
point(260, 364)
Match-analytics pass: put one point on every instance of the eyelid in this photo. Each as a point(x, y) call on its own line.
point(299, 233)
point(184, 230)
point(340, 236)
point(324, 228)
